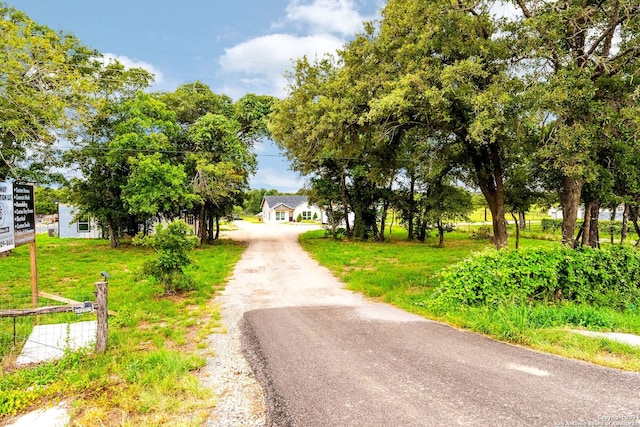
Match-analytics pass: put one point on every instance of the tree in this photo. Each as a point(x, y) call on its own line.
point(43, 76)
point(47, 199)
point(574, 53)
point(253, 200)
point(155, 186)
point(445, 205)
point(216, 139)
point(445, 70)
point(222, 162)
point(126, 129)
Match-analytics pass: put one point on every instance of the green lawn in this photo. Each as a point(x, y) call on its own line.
point(156, 341)
point(404, 274)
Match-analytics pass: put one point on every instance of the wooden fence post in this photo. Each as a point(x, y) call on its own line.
point(103, 316)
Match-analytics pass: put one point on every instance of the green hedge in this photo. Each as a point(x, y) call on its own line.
point(599, 277)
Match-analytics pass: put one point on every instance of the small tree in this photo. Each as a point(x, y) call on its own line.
point(173, 245)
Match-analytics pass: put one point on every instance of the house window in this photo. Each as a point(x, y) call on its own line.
point(281, 216)
point(83, 224)
point(306, 215)
point(191, 220)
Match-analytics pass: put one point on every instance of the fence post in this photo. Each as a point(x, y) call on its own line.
point(103, 317)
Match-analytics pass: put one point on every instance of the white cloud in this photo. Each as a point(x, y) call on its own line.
point(310, 27)
point(134, 63)
point(262, 61)
point(327, 16)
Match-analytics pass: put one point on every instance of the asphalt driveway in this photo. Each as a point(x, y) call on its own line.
point(328, 357)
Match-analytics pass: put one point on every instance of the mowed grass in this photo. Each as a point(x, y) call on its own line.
point(157, 342)
point(404, 274)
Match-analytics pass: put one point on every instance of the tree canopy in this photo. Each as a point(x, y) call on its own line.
point(510, 104)
point(43, 77)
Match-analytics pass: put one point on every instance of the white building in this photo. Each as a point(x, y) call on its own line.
point(79, 228)
point(276, 209)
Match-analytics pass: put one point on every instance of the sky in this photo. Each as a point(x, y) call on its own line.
point(234, 46)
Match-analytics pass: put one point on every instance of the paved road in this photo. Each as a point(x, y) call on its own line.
point(327, 357)
point(335, 366)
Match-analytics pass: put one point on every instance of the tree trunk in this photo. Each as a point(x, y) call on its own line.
point(633, 217)
point(517, 230)
point(612, 218)
point(422, 231)
point(345, 201)
point(113, 234)
point(202, 226)
point(570, 201)
point(210, 228)
point(440, 234)
point(593, 224)
point(385, 209)
point(412, 206)
point(383, 221)
point(586, 223)
point(625, 223)
point(217, 228)
point(332, 220)
point(523, 220)
point(490, 181)
point(359, 229)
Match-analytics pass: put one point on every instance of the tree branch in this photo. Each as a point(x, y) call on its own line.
point(607, 35)
point(525, 10)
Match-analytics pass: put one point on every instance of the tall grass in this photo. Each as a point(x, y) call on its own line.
point(157, 342)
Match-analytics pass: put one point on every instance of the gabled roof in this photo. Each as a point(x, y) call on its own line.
point(291, 202)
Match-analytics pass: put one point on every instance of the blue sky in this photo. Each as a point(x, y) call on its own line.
point(235, 47)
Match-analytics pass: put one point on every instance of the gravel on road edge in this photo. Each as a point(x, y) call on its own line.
point(227, 373)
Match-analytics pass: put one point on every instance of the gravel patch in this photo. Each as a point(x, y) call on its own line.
point(241, 399)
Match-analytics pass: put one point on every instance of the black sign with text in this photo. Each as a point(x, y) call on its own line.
point(24, 214)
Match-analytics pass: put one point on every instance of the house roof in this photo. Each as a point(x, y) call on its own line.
point(289, 201)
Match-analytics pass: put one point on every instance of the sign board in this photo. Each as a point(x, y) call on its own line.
point(24, 214)
point(6, 217)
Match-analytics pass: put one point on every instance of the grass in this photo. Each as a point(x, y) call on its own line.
point(404, 274)
point(157, 342)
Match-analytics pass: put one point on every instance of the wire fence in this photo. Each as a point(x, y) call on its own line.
point(32, 335)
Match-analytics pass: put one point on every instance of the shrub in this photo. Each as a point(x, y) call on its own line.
point(551, 225)
point(299, 218)
point(173, 245)
point(482, 233)
point(603, 278)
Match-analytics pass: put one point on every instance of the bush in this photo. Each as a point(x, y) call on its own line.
point(609, 227)
point(551, 225)
point(482, 233)
point(173, 245)
point(603, 278)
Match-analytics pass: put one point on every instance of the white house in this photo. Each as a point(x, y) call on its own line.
point(70, 227)
point(277, 209)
